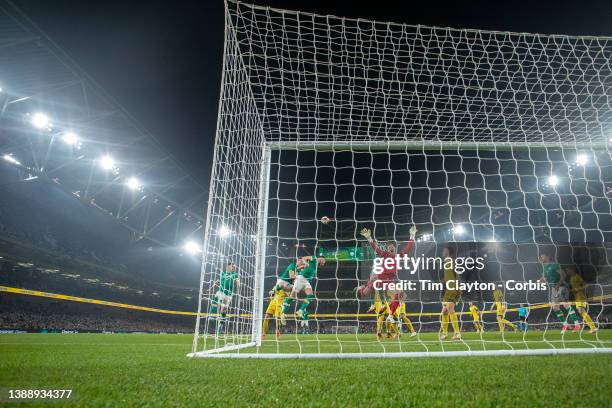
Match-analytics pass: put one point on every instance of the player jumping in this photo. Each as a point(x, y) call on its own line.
point(302, 283)
point(389, 273)
point(228, 281)
point(559, 293)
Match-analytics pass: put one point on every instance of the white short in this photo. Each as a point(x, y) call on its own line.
point(300, 284)
point(223, 299)
point(286, 286)
point(560, 295)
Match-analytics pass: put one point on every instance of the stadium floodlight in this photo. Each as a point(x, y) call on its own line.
point(40, 120)
point(9, 158)
point(458, 229)
point(107, 162)
point(133, 183)
point(224, 231)
point(70, 138)
point(553, 180)
point(460, 136)
point(192, 248)
point(582, 159)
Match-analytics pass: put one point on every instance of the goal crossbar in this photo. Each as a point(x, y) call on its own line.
point(428, 145)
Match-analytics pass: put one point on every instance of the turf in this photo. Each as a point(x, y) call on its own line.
point(152, 370)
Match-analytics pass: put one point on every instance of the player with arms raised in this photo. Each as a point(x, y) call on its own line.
point(389, 273)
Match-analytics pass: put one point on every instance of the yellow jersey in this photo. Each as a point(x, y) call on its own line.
point(500, 308)
point(449, 271)
point(474, 312)
point(275, 306)
point(578, 288)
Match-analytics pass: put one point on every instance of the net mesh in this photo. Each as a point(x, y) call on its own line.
point(496, 142)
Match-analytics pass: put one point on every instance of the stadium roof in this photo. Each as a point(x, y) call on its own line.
point(57, 123)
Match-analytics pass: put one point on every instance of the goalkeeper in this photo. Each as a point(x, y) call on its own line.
point(389, 273)
point(302, 283)
point(228, 281)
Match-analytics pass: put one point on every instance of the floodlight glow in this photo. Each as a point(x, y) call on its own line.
point(133, 183)
point(224, 231)
point(582, 159)
point(191, 247)
point(70, 138)
point(10, 159)
point(458, 230)
point(107, 162)
point(553, 180)
point(40, 120)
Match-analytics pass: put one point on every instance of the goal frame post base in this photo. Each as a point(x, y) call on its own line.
point(220, 353)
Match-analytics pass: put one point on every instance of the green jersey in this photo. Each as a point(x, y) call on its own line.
point(310, 270)
point(286, 275)
point(227, 281)
point(551, 273)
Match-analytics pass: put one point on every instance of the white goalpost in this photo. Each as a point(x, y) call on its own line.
point(336, 136)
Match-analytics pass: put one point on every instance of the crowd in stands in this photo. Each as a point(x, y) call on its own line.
point(59, 322)
point(19, 312)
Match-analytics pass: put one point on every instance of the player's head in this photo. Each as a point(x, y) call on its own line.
point(391, 248)
point(230, 267)
point(545, 257)
point(498, 295)
point(471, 303)
point(320, 261)
point(448, 252)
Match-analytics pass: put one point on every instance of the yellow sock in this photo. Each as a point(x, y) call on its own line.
point(409, 324)
point(265, 326)
point(395, 328)
point(500, 323)
point(480, 327)
point(454, 322)
point(444, 323)
point(388, 327)
point(509, 323)
point(587, 319)
point(379, 323)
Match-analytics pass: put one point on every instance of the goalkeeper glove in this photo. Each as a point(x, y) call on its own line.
point(366, 234)
point(413, 231)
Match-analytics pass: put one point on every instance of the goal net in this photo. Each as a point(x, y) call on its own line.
point(338, 138)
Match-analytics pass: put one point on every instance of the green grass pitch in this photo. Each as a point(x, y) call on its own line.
point(152, 370)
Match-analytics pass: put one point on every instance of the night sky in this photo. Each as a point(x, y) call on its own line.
point(162, 60)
